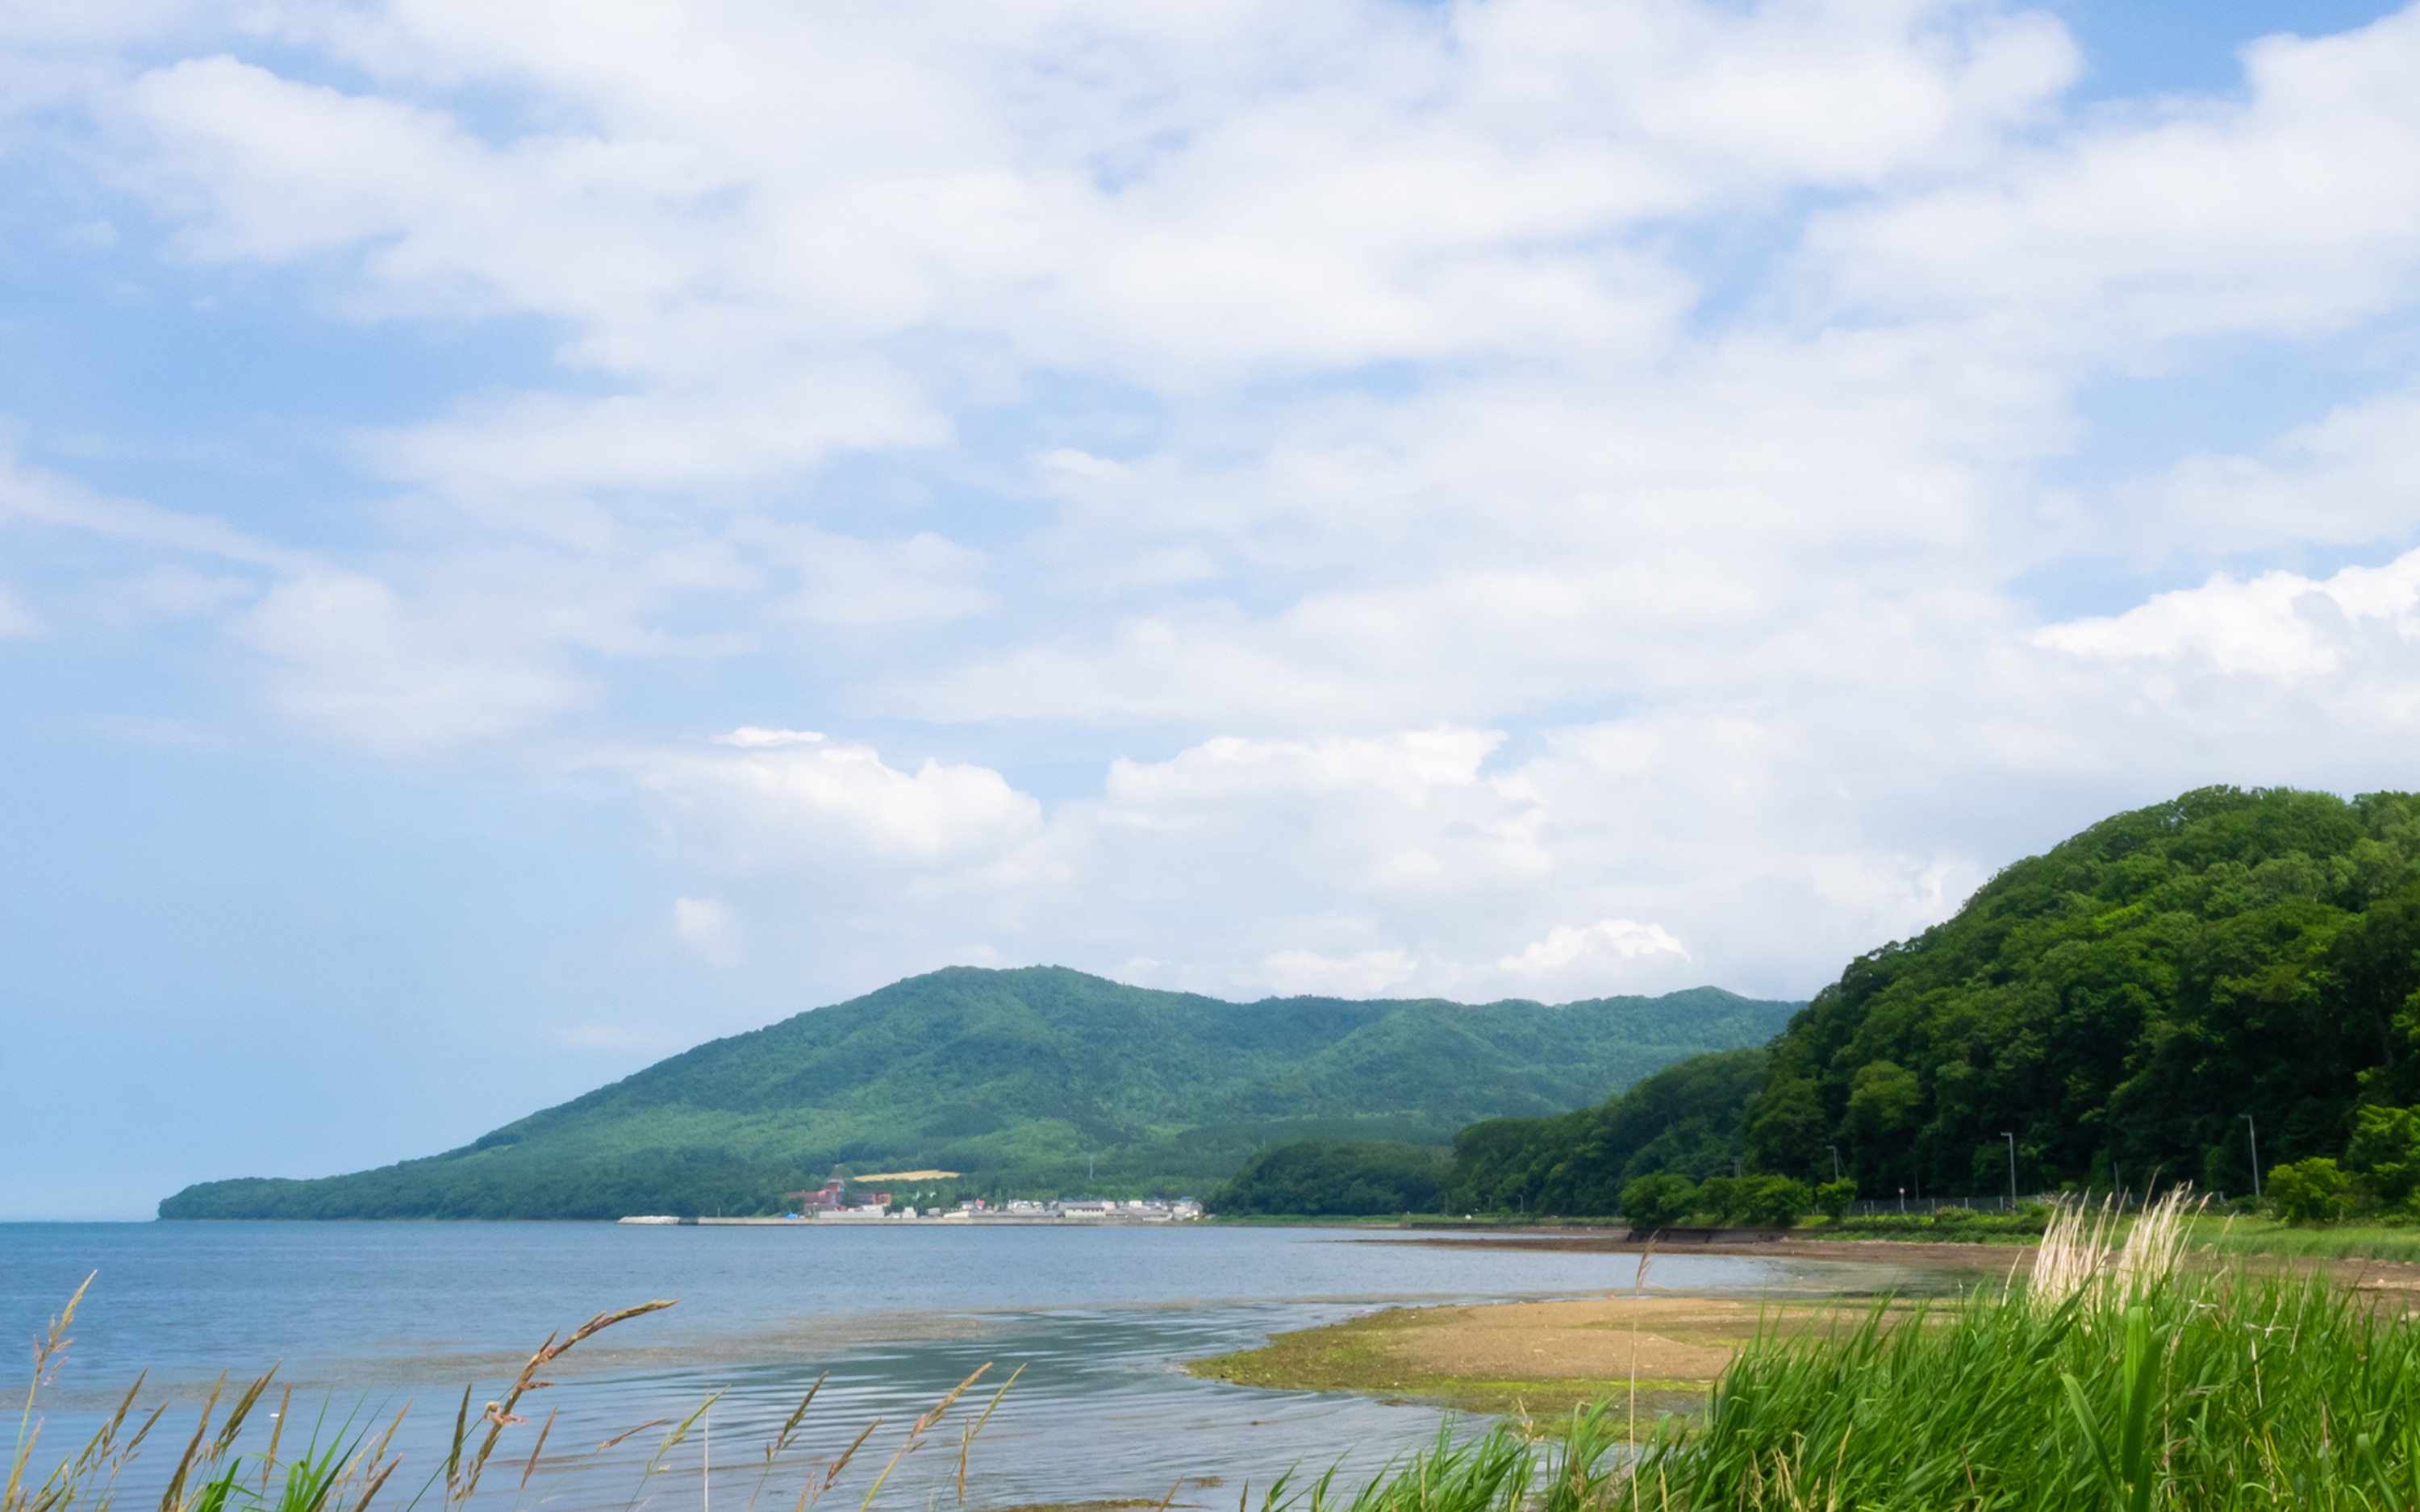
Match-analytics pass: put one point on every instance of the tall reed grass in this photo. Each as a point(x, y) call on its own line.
point(491, 1456)
point(2119, 1376)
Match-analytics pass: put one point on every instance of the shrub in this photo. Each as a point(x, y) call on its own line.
point(1776, 1200)
point(1658, 1201)
point(1832, 1199)
point(2309, 1192)
point(1719, 1198)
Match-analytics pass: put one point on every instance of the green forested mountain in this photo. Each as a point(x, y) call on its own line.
point(1688, 1117)
point(2119, 1003)
point(1015, 1078)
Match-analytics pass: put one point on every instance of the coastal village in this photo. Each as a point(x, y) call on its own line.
point(843, 1198)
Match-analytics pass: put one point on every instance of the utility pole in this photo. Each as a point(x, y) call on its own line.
point(2254, 1130)
point(2013, 1167)
point(1836, 1160)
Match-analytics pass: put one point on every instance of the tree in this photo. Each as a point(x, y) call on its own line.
point(1658, 1201)
point(1883, 1097)
point(1776, 1201)
point(1832, 1199)
point(2385, 1153)
point(1321, 1177)
point(1790, 1128)
point(2309, 1192)
point(1719, 1196)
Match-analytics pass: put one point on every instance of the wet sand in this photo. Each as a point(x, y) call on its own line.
point(1541, 1358)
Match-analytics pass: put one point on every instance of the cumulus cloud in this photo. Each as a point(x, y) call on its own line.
point(2291, 209)
point(2280, 625)
point(795, 800)
point(1326, 497)
point(1563, 944)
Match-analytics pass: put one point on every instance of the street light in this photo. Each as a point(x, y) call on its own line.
point(1836, 1160)
point(2254, 1130)
point(2013, 1167)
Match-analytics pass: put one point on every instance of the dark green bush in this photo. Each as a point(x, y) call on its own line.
point(1658, 1201)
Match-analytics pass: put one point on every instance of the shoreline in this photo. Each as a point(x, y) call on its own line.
point(1543, 1359)
point(1532, 1359)
point(1899, 1251)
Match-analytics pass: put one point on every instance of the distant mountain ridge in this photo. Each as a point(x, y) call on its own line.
point(1015, 1078)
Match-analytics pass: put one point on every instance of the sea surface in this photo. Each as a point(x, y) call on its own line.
point(362, 1319)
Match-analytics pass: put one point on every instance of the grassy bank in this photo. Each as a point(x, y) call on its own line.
point(2118, 1378)
point(2339, 1241)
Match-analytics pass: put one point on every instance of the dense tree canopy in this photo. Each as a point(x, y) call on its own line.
point(1686, 1119)
point(1033, 1082)
point(2118, 1004)
point(1336, 1177)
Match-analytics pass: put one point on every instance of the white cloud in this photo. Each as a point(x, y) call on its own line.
point(704, 925)
point(350, 655)
point(786, 800)
point(2350, 477)
point(1332, 494)
point(1563, 944)
point(2295, 209)
point(2279, 624)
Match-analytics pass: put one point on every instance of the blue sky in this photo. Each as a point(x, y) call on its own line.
point(530, 539)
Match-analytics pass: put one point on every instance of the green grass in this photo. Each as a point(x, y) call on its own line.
point(2335, 1242)
point(2150, 1379)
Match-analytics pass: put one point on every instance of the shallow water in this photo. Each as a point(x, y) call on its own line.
point(369, 1315)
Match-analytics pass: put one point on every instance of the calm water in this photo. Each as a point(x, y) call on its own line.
point(366, 1317)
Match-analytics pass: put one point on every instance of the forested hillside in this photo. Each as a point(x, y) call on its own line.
point(2119, 1003)
point(1688, 1117)
point(1018, 1079)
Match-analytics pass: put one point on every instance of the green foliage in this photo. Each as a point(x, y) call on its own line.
point(1018, 1079)
point(2310, 1190)
point(1686, 1118)
point(1334, 1178)
point(1720, 1199)
point(2183, 1396)
point(1882, 1100)
point(1658, 1201)
point(2120, 1001)
point(1833, 1199)
point(1774, 1201)
point(2384, 1154)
